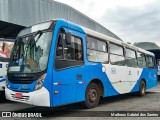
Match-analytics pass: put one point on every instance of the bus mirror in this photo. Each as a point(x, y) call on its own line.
point(68, 38)
point(6, 65)
point(3, 46)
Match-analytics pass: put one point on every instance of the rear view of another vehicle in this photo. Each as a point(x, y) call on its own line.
point(5, 51)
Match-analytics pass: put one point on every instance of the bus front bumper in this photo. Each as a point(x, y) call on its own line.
point(39, 97)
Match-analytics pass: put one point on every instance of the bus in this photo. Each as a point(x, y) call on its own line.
point(154, 48)
point(157, 57)
point(6, 46)
point(57, 62)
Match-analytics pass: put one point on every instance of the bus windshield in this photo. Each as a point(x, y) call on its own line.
point(30, 53)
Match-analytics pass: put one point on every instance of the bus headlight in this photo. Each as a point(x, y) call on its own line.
point(40, 82)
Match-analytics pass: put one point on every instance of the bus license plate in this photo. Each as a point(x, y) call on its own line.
point(18, 95)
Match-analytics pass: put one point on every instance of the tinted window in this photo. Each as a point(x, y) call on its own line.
point(102, 46)
point(150, 61)
point(72, 51)
point(131, 58)
point(97, 56)
point(96, 50)
point(68, 53)
point(115, 49)
point(117, 60)
point(91, 43)
point(141, 60)
point(116, 55)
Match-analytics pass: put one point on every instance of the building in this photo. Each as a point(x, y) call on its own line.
point(18, 14)
point(154, 48)
point(147, 45)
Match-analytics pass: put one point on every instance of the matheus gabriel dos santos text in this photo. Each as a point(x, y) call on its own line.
point(134, 114)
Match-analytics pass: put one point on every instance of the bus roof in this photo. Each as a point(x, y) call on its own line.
point(113, 40)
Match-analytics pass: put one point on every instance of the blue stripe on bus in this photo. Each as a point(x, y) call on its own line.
point(145, 75)
point(1, 76)
point(2, 80)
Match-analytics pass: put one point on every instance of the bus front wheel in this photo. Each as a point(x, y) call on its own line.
point(92, 95)
point(142, 88)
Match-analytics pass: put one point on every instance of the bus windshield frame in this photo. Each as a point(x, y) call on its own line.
point(33, 47)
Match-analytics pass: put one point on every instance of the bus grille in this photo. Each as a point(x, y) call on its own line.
point(24, 98)
point(21, 80)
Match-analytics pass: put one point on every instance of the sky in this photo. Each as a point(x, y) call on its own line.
point(131, 20)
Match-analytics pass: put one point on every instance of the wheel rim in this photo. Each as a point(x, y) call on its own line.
point(92, 95)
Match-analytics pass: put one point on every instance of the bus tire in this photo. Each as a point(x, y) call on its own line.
point(92, 95)
point(142, 88)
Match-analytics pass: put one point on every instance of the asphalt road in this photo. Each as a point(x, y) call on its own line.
point(126, 102)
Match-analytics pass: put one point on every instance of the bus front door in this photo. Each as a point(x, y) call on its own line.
point(68, 67)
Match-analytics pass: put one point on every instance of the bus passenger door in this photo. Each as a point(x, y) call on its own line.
point(67, 67)
point(132, 77)
point(132, 71)
point(116, 69)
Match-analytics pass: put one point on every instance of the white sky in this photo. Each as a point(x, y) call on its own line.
point(98, 7)
point(112, 14)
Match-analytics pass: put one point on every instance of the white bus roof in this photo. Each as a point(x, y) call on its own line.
point(113, 40)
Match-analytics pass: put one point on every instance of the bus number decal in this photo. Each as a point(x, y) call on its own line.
point(113, 71)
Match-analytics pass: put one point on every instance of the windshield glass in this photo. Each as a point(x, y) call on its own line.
point(5, 48)
point(31, 53)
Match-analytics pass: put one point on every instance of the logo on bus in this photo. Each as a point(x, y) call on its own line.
point(24, 86)
point(20, 75)
point(113, 70)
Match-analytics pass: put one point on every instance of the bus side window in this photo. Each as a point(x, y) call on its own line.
point(97, 50)
point(59, 49)
point(72, 51)
point(131, 60)
point(117, 55)
point(150, 62)
point(68, 54)
point(141, 60)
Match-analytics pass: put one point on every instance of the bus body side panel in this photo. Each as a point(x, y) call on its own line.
point(3, 73)
point(150, 78)
point(93, 71)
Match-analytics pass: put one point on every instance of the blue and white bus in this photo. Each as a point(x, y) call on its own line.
point(6, 46)
point(57, 62)
point(157, 58)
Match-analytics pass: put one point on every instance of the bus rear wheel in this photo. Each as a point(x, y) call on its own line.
point(142, 88)
point(92, 95)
